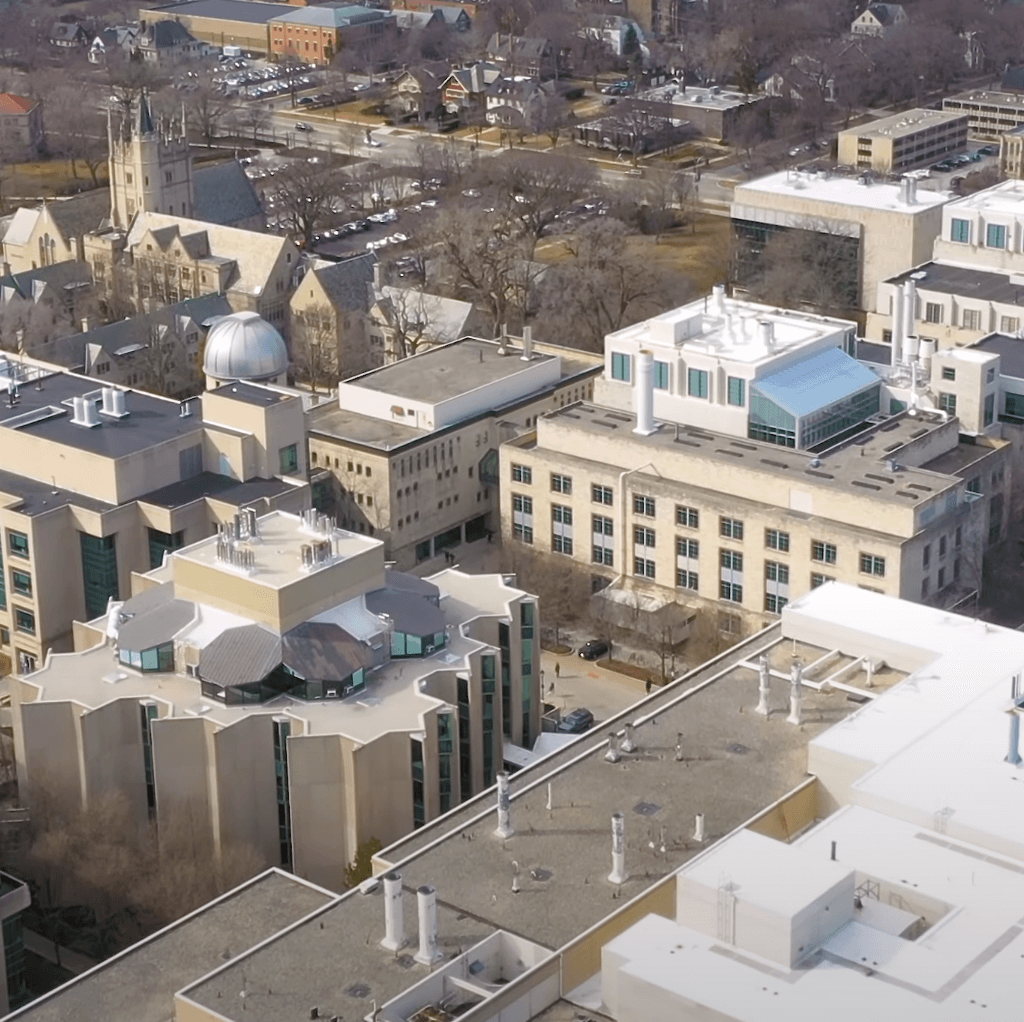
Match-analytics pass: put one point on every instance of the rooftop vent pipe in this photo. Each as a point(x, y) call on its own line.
point(718, 299)
point(896, 353)
point(628, 743)
point(766, 331)
point(618, 873)
point(612, 755)
point(763, 684)
point(394, 920)
point(505, 829)
point(426, 903)
point(909, 307)
point(698, 829)
point(796, 695)
point(527, 354)
point(644, 393)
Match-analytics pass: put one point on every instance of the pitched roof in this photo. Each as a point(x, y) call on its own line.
point(165, 34)
point(11, 104)
point(80, 214)
point(822, 379)
point(320, 650)
point(885, 13)
point(345, 283)
point(222, 194)
point(59, 275)
point(445, 319)
point(240, 655)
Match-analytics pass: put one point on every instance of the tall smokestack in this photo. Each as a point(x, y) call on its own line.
point(527, 354)
point(505, 829)
point(426, 902)
point(644, 393)
point(896, 355)
point(909, 308)
point(394, 920)
point(618, 873)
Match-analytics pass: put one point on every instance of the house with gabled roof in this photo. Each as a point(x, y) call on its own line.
point(880, 20)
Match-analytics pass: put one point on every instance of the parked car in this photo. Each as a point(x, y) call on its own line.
point(575, 722)
point(593, 649)
point(302, 126)
point(989, 150)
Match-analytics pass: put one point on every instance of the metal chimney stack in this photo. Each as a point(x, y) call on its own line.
point(612, 755)
point(718, 299)
point(644, 393)
point(909, 308)
point(618, 873)
point(796, 695)
point(426, 903)
point(698, 828)
point(763, 685)
point(394, 920)
point(505, 829)
point(527, 354)
point(896, 353)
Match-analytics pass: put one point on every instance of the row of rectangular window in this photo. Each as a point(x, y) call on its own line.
point(995, 234)
point(697, 384)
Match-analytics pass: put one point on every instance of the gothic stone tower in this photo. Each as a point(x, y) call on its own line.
point(150, 166)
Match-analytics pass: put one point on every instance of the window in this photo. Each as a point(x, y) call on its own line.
point(601, 494)
point(990, 409)
point(643, 536)
point(561, 484)
point(947, 402)
point(522, 474)
point(25, 621)
point(731, 591)
point(688, 548)
point(601, 526)
point(960, 231)
point(948, 373)
point(823, 552)
point(688, 517)
point(926, 555)
point(737, 391)
point(820, 580)
point(661, 377)
point(622, 366)
point(697, 383)
point(958, 537)
point(686, 579)
point(1009, 324)
point(932, 312)
point(602, 529)
point(925, 585)
point(643, 567)
point(970, 319)
point(643, 505)
point(522, 518)
point(17, 543)
point(776, 540)
point(942, 546)
point(956, 568)
point(561, 544)
point(941, 580)
point(773, 603)
point(560, 514)
point(730, 528)
point(995, 236)
point(871, 565)
point(731, 560)
point(21, 583)
point(289, 459)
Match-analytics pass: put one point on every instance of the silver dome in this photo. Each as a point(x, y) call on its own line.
point(244, 346)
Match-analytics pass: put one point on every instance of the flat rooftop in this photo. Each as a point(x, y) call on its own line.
point(713, 98)
point(843, 468)
point(731, 330)
point(906, 123)
point(836, 189)
point(246, 393)
point(140, 983)
point(277, 550)
point(252, 11)
point(965, 282)
point(445, 372)
point(1006, 198)
point(35, 497)
point(1010, 350)
point(735, 764)
point(990, 97)
point(44, 410)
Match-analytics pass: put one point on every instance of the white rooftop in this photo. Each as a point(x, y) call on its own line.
point(906, 122)
point(931, 825)
point(809, 186)
point(729, 328)
point(1005, 198)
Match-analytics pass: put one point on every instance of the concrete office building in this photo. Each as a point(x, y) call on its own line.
point(98, 482)
point(913, 138)
point(410, 451)
point(650, 487)
point(991, 113)
point(884, 227)
point(626, 850)
point(284, 689)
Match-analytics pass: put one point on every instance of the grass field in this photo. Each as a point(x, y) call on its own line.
point(49, 178)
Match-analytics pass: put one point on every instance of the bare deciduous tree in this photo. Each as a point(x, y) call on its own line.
point(315, 346)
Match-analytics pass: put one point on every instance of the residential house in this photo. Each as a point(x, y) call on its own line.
point(464, 91)
point(404, 321)
point(526, 103)
point(330, 307)
point(53, 232)
point(69, 35)
point(166, 42)
point(165, 259)
point(111, 41)
point(21, 128)
point(471, 8)
point(416, 93)
point(622, 37)
point(454, 19)
point(879, 20)
point(527, 55)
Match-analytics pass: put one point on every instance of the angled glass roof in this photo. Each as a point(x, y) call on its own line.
point(815, 382)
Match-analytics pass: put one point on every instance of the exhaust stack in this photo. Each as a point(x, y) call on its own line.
point(394, 920)
point(618, 873)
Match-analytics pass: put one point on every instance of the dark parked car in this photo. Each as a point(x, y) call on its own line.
point(593, 649)
point(575, 722)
